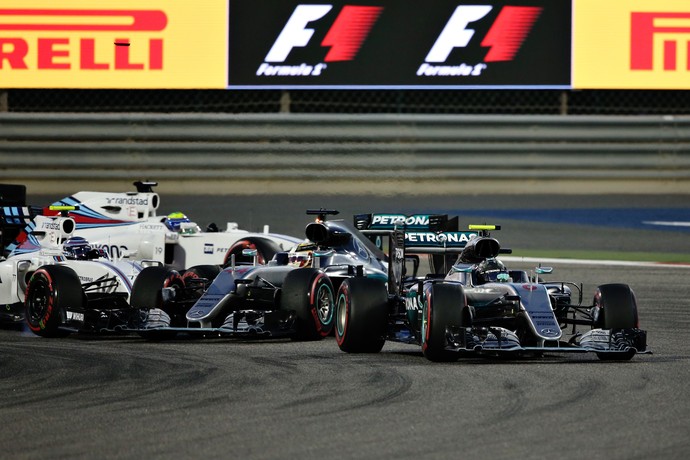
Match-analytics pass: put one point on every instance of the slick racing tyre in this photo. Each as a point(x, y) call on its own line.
point(443, 306)
point(51, 289)
point(265, 249)
point(615, 307)
point(309, 293)
point(361, 315)
point(147, 295)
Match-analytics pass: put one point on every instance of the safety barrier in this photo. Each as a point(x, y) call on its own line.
point(291, 147)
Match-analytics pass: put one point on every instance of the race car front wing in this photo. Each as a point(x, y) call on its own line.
point(498, 341)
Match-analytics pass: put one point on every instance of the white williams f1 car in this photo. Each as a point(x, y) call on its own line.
point(59, 282)
point(126, 225)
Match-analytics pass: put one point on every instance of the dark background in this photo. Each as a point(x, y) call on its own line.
point(398, 43)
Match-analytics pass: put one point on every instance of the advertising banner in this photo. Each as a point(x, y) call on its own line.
point(399, 44)
point(631, 44)
point(113, 44)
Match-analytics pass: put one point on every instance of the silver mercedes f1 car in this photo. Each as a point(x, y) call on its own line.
point(478, 307)
point(293, 295)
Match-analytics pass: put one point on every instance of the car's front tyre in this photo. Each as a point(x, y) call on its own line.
point(51, 290)
point(309, 293)
point(443, 307)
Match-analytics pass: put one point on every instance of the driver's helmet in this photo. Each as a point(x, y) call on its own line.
point(301, 255)
point(489, 269)
point(175, 220)
point(77, 248)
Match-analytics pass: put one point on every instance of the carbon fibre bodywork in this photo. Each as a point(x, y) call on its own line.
point(515, 313)
point(36, 255)
point(260, 300)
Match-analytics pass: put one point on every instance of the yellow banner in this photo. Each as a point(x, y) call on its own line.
point(113, 44)
point(631, 44)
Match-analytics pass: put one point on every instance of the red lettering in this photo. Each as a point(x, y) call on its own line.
point(156, 54)
point(15, 54)
point(87, 59)
point(122, 57)
point(141, 20)
point(61, 53)
point(47, 53)
point(642, 31)
point(54, 53)
point(669, 55)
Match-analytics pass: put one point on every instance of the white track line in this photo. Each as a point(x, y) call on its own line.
point(623, 263)
point(667, 223)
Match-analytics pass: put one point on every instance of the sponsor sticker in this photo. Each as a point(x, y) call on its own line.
point(74, 316)
point(631, 44)
point(397, 43)
point(113, 44)
point(450, 239)
point(389, 221)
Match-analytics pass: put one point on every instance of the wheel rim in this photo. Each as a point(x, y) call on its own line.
point(426, 319)
point(342, 314)
point(425, 324)
point(324, 304)
point(38, 301)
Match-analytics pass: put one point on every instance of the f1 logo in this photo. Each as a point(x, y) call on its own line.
point(504, 38)
point(345, 37)
point(643, 28)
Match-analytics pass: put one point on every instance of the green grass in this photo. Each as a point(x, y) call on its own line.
point(605, 255)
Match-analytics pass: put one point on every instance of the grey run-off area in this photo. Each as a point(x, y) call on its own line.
point(125, 398)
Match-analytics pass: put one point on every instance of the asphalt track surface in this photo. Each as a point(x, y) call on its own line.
point(121, 397)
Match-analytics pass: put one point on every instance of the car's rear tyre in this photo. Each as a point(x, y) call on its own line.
point(265, 249)
point(361, 315)
point(51, 289)
point(616, 308)
point(443, 306)
point(309, 293)
point(147, 294)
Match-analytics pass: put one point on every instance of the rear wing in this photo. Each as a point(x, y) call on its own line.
point(12, 211)
point(26, 229)
point(432, 234)
point(14, 220)
point(430, 222)
point(424, 233)
point(12, 195)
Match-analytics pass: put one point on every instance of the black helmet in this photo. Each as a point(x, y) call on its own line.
point(76, 248)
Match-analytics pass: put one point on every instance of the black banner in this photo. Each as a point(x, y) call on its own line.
point(399, 44)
